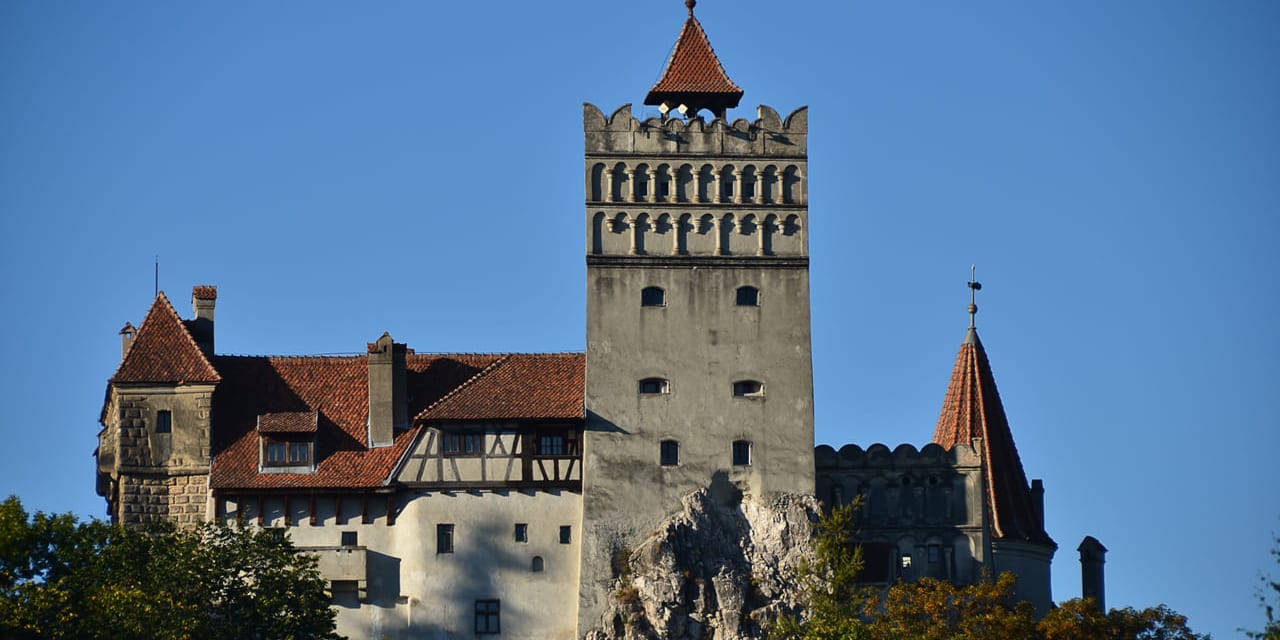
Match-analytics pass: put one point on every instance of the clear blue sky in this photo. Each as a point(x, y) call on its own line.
point(1113, 168)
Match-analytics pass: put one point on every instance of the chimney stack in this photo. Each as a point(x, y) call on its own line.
point(388, 406)
point(203, 298)
point(126, 339)
point(1037, 501)
point(1092, 583)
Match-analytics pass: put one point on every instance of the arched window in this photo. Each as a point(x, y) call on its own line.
point(669, 453)
point(654, 386)
point(741, 453)
point(537, 564)
point(748, 297)
point(653, 297)
point(748, 388)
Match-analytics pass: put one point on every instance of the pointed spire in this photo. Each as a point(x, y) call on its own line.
point(694, 78)
point(971, 412)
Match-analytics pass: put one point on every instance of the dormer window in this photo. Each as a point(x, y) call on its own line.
point(288, 441)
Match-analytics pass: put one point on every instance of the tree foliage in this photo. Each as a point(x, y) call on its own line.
point(837, 608)
point(1269, 590)
point(61, 578)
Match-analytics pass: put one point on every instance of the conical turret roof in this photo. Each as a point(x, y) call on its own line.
point(694, 77)
point(972, 409)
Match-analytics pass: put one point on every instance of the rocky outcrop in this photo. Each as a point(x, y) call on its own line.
point(718, 570)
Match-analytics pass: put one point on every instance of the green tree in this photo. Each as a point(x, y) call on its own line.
point(835, 607)
point(1270, 589)
point(61, 578)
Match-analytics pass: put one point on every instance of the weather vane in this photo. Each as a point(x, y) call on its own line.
point(974, 288)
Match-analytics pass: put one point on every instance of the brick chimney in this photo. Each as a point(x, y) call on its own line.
point(388, 406)
point(126, 338)
point(1092, 583)
point(203, 298)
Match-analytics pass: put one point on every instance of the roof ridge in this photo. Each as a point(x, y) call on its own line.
point(466, 383)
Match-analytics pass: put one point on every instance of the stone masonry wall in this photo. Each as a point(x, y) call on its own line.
point(178, 499)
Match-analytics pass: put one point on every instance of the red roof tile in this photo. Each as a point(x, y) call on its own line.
point(336, 388)
point(204, 292)
point(289, 422)
point(529, 386)
point(972, 409)
point(694, 75)
point(163, 351)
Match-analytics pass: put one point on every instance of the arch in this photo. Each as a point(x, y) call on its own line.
point(653, 297)
point(596, 192)
point(726, 184)
point(641, 228)
point(750, 187)
point(537, 565)
point(706, 184)
point(702, 240)
point(663, 226)
point(684, 184)
point(747, 296)
point(767, 230)
point(744, 241)
point(791, 191)
point(642, 190)
point(769, 184)
point(665, 185)
point(597, 232)
point(615, 236)
point(788, 239)
point(683, 226)
point(617, 180)
point(727, 226)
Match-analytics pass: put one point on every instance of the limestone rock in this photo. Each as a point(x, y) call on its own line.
point(718, 570)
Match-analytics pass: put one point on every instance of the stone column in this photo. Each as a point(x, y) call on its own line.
point(653, 185)
point(737, 186)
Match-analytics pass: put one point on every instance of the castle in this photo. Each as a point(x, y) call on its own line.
point(452, 495)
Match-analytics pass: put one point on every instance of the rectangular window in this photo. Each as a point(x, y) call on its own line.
point(566, 534)
point(741, 453)
point(299, 453)
point(275, 453)
point(550, 445)
point(522, 532)
point(349, 538)
point(444, 538)
point(164, 421)
point(488, 617)
point(670, 453)
point(462, 444)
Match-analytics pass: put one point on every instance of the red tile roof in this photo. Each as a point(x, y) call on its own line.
point(163, 351)
point(289, 422)
point(204, 292)
point(694, 75)
point(529, 386)
point(972, 409)
point(337, 389)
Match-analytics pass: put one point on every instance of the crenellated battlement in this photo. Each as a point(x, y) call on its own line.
point(852, 456)
point(768, 136)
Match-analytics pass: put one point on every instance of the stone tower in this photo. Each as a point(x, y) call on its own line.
point(698, 365)
point(154, 447)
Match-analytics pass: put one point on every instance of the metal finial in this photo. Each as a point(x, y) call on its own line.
point(974, 287)
point(691, 4)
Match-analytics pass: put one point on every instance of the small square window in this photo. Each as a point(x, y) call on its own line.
point(488, 617)
point(741, 453)
point(551, 445)
point(349, 538)
point(461, 444)
point(164, 421)
point(748, 388)
point(669, 453)
point(650, 386)
point(653, 297)
point(444, 538)
point(748, 297)
point(566, 534)
point(522, 532)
